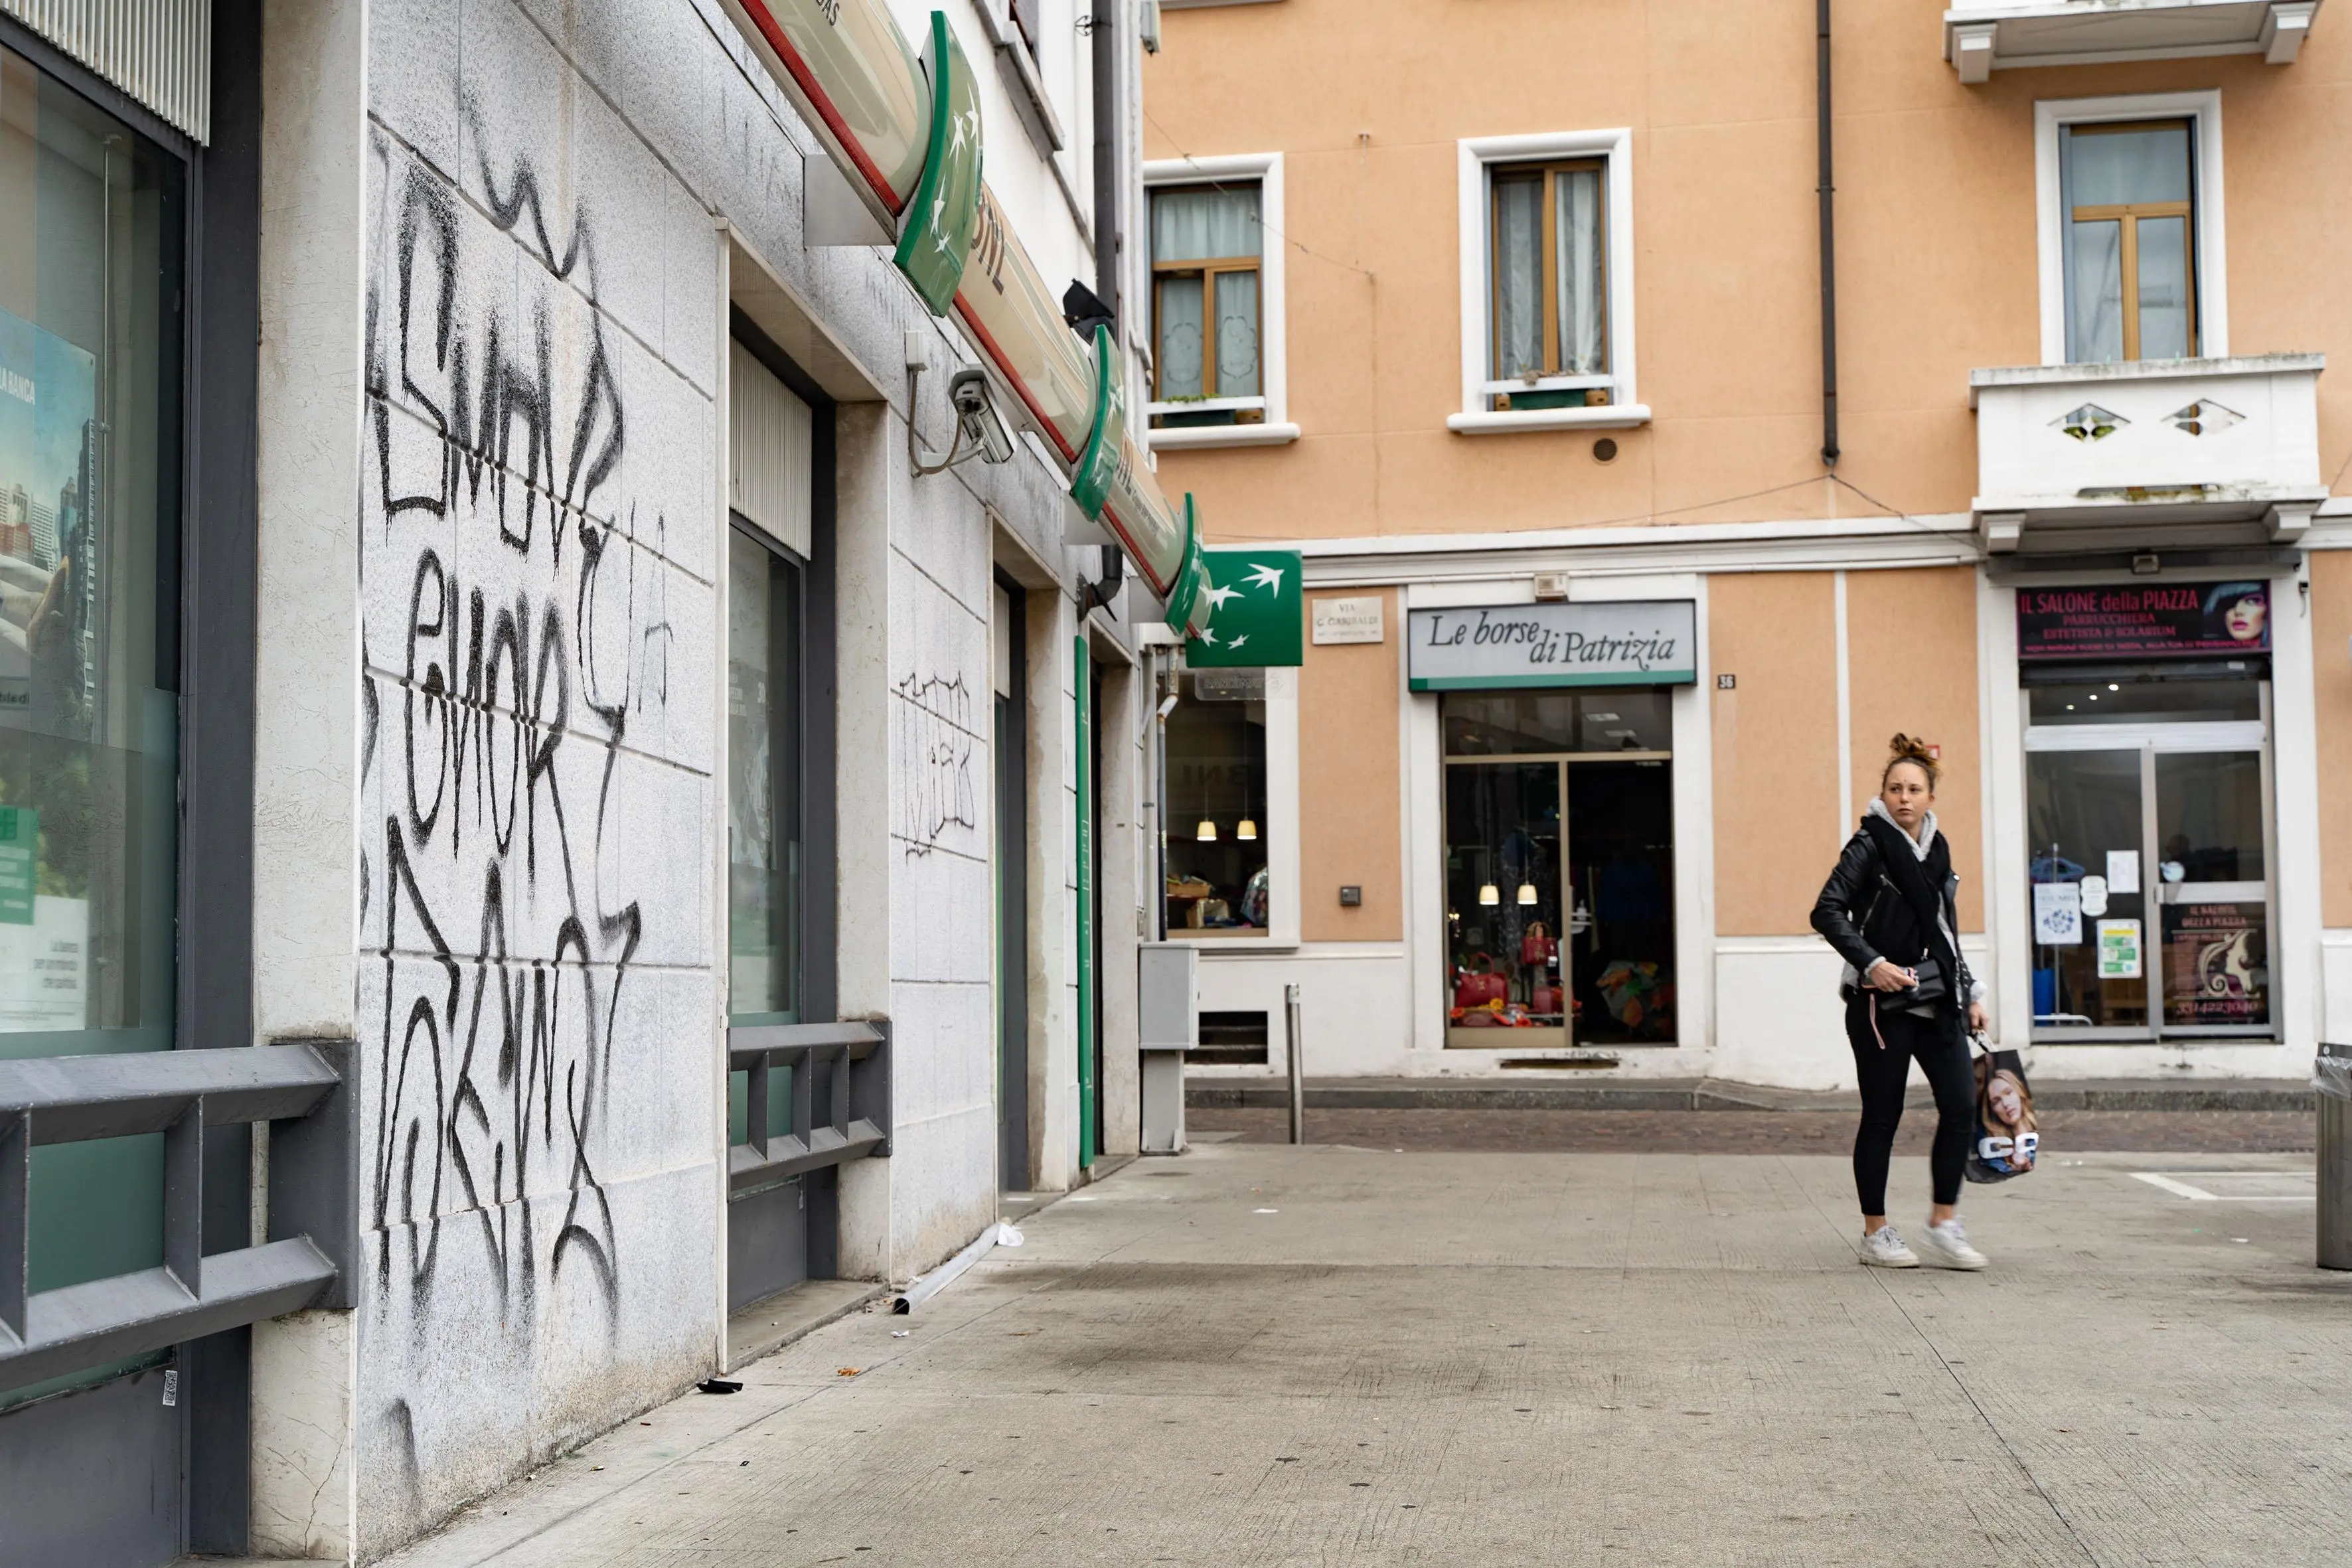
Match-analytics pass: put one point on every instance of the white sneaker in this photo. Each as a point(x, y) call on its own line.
point(1946, 1246)
point(1882, 1248)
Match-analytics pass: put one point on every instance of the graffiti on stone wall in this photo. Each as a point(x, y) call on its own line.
point(934, 786)
point(520, 636)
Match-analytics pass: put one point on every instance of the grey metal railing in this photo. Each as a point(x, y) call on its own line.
point(840, 1105)
point(302, 1090)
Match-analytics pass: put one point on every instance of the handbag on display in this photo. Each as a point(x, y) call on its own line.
point(1547, 999)
point(1475, 988)
point(2007, 1139)
point(1539, 947)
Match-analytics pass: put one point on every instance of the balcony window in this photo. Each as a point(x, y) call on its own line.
point(1547, 292)
point(1206, 249)
point(2130, 190)
point(2131, 236)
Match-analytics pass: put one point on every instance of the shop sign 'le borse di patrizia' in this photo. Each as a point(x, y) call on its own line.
point(1652, 642)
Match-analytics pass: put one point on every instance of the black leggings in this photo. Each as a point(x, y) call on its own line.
point(1943, 1055)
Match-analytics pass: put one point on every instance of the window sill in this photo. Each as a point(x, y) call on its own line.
point(1227, 436)
point(1616, 417)
point(1018, 67)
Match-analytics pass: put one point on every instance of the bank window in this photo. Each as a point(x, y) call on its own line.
point(1207, 252)
point(763, 796)
point(91, 259)
point(1216, 826)
point(1548, 284)
point(2130, 237)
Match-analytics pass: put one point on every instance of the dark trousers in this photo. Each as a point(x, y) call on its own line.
point(1942, 1053)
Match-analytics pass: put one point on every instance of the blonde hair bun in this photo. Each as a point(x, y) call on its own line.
point(1916, 752)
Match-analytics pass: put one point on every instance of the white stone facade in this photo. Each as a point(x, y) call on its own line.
point(500, 240)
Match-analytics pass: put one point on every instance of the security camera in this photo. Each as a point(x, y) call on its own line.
point(982, 426)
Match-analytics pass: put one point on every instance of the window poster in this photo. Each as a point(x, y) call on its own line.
point(2057, 914)
point(48, 403)
point(2119, 956)
point(2216, 964)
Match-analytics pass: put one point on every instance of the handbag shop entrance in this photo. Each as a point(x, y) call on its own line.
point(1558, 731)
point(1560, 868)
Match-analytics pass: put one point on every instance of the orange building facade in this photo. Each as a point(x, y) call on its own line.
point(1510, 317)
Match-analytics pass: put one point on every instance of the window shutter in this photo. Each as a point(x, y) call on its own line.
point(160, 52)
point(767, 452)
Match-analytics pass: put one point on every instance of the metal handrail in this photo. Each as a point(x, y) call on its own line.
point(302, 1090)
point(845, 1066)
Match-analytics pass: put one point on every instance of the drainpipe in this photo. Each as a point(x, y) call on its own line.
point(1827, 192)
point(1104, 36)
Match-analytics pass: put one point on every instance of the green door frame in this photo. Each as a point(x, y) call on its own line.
point(1090, 1129)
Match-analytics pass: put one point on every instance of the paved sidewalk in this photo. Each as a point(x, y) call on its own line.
point(1568, 1132)
point(1552, 1089)
point(1263, 1356)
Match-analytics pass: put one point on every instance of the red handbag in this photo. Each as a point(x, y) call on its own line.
point(1476, 988)
point(1547, 1000)
point(1539, 947)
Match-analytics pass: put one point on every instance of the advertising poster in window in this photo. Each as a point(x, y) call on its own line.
point(2216, 966)
point(2196, 620)
point(48, 393)
point(49, 403)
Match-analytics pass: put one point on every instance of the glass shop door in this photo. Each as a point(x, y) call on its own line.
point(1503, 886)
point(2152, 844)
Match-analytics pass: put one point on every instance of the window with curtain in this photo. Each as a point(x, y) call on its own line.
point(2129, 191)
point(1205, 251)
point(1548, 290)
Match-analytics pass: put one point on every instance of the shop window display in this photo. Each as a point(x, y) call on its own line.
point(1216, 824)
point(1560, 868)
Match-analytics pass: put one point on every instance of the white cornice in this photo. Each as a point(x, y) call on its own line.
point(1945, 539)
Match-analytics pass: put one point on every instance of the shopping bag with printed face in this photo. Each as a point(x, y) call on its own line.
point(2007, 1140)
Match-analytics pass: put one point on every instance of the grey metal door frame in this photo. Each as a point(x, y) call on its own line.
point(1011, 745)
point(114, 1440)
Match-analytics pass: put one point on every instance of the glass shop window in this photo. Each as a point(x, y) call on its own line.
point(1217, 822)
point(763, 794)
point(90, 256)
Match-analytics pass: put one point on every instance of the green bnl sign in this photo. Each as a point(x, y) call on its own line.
point(20, 836)
point(1257, 611)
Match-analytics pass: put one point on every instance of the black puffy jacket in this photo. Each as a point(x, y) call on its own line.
point(1866, 917)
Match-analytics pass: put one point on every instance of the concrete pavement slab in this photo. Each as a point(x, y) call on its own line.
point(1267, 1355)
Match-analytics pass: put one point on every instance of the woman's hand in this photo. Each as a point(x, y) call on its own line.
point(1978, 1021)
point(1885, 976)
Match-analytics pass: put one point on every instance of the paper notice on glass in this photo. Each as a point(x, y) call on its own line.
point(2057, 914)
point(2095, 896)
point(2119, 950)
point(2123, 870)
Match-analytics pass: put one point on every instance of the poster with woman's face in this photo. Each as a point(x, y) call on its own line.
point(2239, 614)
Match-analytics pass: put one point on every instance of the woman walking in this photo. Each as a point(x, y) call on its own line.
point(1890, 911)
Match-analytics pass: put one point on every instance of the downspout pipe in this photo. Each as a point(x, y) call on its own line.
point(1827, 194)
point(1104, 36)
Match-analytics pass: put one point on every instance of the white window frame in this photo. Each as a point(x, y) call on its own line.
point(1477, 154)
point(1282, 887)
point(2213, 271)
point(1273, 382)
